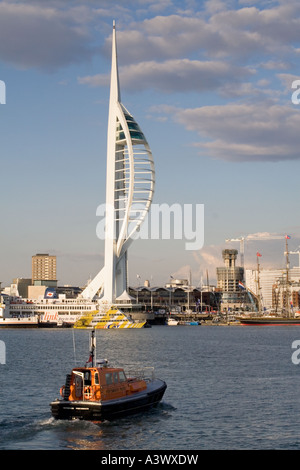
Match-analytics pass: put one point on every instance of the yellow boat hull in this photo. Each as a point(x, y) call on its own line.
point(113, 318)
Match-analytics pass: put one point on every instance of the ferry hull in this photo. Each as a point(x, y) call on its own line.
point(30, 322)
point(112, 318)
point(110, 409)
point(19, 323)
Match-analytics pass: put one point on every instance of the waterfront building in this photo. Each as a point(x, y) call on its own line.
point(44, 270)
point(18, 287)
point(178, 283)
point(21, 285)
point(181, 298)
point(269, 280)
point(228, 277)
point(230, 283)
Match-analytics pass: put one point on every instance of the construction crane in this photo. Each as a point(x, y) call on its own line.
point(242, 247)
point(254, 237)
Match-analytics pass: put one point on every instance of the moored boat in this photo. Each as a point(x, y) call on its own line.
point(107, 319)
point(269, 320)
point(188, 323)
point(286, 315)
point(101, 392)
point(63, 312)
point(171, 322)
point(20, 322)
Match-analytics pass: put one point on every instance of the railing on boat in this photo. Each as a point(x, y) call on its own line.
point(146, 373)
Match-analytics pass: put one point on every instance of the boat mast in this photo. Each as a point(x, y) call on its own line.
point(258, 255)
point(93, 348)
point(287, 287)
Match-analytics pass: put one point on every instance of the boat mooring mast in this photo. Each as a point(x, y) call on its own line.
point(92, 358)
point(258, 255)
point(287, 291)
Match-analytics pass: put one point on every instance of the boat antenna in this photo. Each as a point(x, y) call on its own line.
point(74, 349)
point(287, 295)
point(258, 255)
point(93, 348)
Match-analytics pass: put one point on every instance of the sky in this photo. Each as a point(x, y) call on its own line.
point(210, 84)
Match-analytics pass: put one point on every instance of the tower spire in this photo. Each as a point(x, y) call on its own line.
point(115, 94)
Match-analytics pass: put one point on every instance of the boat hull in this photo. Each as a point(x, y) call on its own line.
point(270, 321)
point(112, 318)
point(31, 322)
point(172, 322)
point(110, 409)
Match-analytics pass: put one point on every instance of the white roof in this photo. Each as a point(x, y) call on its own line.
point(125, 296)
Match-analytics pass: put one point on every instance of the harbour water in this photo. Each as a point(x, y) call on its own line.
point(229, 387)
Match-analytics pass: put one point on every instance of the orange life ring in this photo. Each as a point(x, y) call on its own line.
point(62, 391)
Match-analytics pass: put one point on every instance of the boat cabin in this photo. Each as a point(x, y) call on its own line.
point(99, 384)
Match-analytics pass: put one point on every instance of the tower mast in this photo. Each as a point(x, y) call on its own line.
point(111, 226)
point(287, 288)
point(130, 180)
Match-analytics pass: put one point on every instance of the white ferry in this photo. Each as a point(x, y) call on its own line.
point(31, 321)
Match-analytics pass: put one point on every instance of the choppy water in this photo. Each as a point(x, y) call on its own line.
point(229, 387)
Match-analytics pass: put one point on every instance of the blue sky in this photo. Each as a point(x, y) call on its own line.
point(209, 82)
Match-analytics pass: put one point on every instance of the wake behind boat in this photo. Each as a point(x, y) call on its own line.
point(101, 392)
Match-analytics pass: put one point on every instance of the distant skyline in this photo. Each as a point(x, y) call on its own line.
point(210, 83)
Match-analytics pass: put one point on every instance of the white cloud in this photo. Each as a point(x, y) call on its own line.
point(265, 236)
point(261, 131)
point(174, 75)
point(40, 36)
point(240, 34)
point(213, 6)
point(55, 33)
point(195, 52)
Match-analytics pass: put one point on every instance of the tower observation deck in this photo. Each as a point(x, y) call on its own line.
point(130, 180)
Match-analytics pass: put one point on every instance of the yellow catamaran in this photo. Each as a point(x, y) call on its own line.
point(112, 318)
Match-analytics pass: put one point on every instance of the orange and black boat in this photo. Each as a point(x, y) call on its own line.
point(100, 392)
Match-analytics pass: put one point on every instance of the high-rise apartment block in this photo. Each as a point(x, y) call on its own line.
point(43, 269)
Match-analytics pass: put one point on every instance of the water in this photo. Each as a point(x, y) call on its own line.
point(229, 387)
